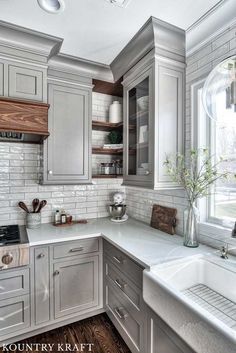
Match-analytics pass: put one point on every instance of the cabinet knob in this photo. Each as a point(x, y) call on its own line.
point(56, 273)
point(120, 313)
point(147, 172)
point(50, 172)
point(40, 256)
point(7, 259)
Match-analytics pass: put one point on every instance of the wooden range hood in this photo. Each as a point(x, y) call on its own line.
point(23, 121)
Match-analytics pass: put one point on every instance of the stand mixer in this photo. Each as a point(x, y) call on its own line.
point(118, 208)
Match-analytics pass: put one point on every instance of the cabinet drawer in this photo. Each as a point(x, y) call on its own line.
point(14, 314)
point(123, 284)
point(75, 248)
point(125, 264)
point(125, 316)
point(14, 283)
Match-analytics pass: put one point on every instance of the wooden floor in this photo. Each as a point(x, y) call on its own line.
point(97, 330)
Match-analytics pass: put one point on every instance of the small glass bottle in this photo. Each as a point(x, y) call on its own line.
point(57, 217)
point(63, 217)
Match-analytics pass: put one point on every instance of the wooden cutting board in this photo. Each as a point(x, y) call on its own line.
point(164, 218)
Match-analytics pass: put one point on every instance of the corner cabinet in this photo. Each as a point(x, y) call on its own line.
point(153, 120)
point(67, 151)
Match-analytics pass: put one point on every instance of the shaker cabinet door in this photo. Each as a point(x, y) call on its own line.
point(25, 83)
point(41, 285)
point(67, 150)
point(75, 286)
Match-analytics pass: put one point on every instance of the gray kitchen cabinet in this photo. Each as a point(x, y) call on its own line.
point(76, 287)
point(14, 283)
point(123, 297)
point(25, 82)
point(162, 339)
point(1, 79)
point(153, 120)
point(67, 151)
point(14, 314)
point(41, 285)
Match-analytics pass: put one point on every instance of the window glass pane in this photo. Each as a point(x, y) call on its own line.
point(223, 142)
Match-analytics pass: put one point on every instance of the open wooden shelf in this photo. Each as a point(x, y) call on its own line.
point(110, 176)
point(109, 151)
point(106, 126)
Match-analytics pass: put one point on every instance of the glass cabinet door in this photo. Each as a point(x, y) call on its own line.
point(138, 129)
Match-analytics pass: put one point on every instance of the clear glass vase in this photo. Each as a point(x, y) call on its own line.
point(191, 221)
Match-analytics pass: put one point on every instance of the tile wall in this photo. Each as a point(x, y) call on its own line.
point(19, 180)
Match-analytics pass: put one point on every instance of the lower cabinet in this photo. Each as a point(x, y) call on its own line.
point(161, 338)
point(75, 286)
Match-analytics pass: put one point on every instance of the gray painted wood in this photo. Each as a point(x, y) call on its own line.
point(67, 151)
point(124, 263)
point(1, 79)
point(15, 315)
point(166, 117)
point(41, 285)
point(162, 339)
point(25, 83)
point(75, 248)
point(122, 283)
point(75, 286)
point(14, 283)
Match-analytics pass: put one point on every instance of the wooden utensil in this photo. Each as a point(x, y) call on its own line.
point(164, 218)
point(35, 204)
point(23, 206)
point(41, 205)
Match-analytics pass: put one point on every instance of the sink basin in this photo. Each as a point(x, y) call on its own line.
point(196, 296)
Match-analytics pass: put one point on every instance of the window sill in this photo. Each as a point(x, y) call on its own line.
point(214, 235)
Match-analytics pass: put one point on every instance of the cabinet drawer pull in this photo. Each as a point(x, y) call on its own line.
point(121, 315)
point(77, 249)
point(120, 261)
point(40, 256)
point(56, 273)
point(121, 286)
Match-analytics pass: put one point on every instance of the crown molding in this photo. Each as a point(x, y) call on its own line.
point(23, 43)
point(164, 37)
point(209, 26)
point(71, 65)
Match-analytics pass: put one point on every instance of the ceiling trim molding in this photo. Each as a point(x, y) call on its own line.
point(27, 44)
point(71, 65)
point(167, 38)
point(211, 25)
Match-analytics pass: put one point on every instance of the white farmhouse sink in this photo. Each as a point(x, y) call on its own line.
point(196, 296)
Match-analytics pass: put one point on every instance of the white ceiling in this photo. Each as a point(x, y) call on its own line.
point(97, 30)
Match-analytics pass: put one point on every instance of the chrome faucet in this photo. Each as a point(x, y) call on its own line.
point(224, 252)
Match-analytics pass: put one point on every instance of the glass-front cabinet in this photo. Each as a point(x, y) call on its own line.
point(137, 101)
point(153, 121)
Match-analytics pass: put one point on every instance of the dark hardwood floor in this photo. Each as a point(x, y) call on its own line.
point(98, 330)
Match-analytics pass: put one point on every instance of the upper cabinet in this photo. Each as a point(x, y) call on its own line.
point(153, 105)
point(67, 151)
point(153, 121)
point(23, 81)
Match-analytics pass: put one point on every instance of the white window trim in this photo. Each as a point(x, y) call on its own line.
point(208, 226)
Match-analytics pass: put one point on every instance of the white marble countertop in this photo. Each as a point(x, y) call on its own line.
point(144, 244)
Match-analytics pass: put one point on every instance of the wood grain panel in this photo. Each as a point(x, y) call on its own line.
point(113, 89)
point(23, 116)
point(97, 330)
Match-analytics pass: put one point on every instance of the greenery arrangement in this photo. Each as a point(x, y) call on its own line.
point(115, 137)
point(198, 175)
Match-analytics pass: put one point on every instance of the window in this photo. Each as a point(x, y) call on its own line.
point(220, 139)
